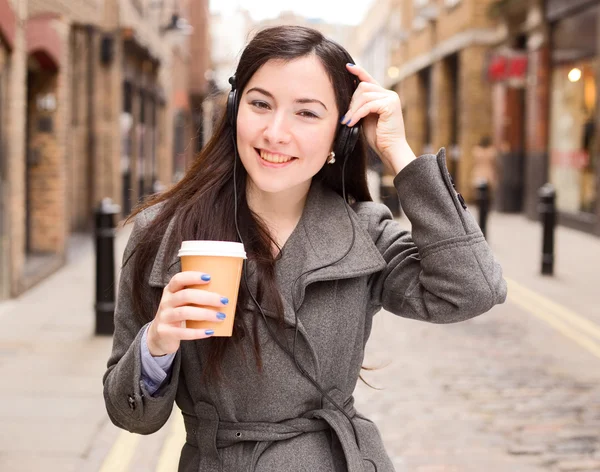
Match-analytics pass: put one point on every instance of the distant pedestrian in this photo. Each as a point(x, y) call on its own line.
point(285, 173)
point(485, 164)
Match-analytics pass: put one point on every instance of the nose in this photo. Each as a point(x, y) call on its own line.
point(277, 129)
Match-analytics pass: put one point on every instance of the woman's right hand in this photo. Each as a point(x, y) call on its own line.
point(167, 330)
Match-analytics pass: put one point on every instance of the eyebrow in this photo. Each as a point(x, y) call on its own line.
point(298, 100)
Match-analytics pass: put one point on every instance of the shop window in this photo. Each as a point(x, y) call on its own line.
point(574, 144)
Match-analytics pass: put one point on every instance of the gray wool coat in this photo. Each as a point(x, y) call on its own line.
point(442, 272)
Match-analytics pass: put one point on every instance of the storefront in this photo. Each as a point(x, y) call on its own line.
point(574, 147)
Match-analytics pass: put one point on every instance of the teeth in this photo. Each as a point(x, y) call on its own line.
point(275, 158)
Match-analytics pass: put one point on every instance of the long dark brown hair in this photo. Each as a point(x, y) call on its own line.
point(202, 203)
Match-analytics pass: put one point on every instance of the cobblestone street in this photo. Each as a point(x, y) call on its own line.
point(491, 393)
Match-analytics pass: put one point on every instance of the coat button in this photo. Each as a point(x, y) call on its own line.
point(131, 402)
point(452, 181)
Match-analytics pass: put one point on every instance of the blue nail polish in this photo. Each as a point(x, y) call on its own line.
point(343, 119)
point(221, 316)
point(224, 300)
point(209, 332)
point(349, 120)
point(350, 64)
point(205, 277)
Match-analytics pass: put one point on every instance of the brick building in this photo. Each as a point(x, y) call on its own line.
point(438, 54)
point(548, 122)
point(90, 95)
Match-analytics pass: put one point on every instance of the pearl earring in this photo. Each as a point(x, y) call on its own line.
point(331, 158)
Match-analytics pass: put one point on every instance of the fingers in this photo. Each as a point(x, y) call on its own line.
point(379, 107)
point(194, 296)
point(358, 102)
point(362, 74)
point(186, 279)
point(192, 313)
point(184, 334)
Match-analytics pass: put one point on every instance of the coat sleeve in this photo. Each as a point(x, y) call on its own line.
point(442, 272)
point(129, 405)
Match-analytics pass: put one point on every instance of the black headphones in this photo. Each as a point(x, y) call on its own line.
point(346, 137)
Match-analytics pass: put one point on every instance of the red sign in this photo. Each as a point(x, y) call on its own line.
point(504, 67)
point(577, 159)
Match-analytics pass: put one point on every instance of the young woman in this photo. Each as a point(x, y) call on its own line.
point(277, 395)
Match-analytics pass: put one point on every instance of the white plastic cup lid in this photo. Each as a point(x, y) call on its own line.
point(212, 248)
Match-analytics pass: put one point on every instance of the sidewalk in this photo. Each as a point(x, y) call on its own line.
point(52, 413)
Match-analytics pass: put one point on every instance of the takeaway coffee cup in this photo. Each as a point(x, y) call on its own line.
point(223, 261)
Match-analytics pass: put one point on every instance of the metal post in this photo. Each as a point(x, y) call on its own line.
point(483, 201)
point(105, 266)
point(547, 210)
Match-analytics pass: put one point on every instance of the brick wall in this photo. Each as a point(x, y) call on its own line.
point(44, 192)
point(47, 178)
point(412, 94)
point(475, 117)
point(78, 185)
point(14, 119)
point(70, 177)
point(442, 97)
point(461, 34)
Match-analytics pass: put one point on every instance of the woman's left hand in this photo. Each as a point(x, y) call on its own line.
point(382, 122)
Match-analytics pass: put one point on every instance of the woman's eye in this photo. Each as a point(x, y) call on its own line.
point(308, 114)
point(262, 105)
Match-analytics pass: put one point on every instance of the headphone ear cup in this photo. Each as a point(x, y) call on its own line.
point(231, 108)
point(340, 142)
point(346, 140)
point(352, 140)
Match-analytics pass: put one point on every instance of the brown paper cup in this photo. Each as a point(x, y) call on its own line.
point(223, 261)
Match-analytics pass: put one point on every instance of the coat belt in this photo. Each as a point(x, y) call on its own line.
point(206, 431)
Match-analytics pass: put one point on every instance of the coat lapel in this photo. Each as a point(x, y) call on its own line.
point(166, 263)
point(328, 243)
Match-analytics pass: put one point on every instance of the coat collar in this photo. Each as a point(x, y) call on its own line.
point(313, 252)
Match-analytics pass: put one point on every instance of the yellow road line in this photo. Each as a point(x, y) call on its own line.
point(171, 450)
point(556, 316)
point(121, 453)
point(589, 327)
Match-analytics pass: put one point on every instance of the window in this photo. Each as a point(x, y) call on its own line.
point(574, 144)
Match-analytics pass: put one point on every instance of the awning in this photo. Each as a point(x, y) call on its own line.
point(43, 42)
point(8, 23)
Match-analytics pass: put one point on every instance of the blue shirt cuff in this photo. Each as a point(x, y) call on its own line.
point(154, 369)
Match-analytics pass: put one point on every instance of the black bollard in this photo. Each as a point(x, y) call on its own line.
point(483, 201)
point(547, 210)
point(105, 266)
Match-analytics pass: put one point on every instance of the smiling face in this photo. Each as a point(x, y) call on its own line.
point(286, 124)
